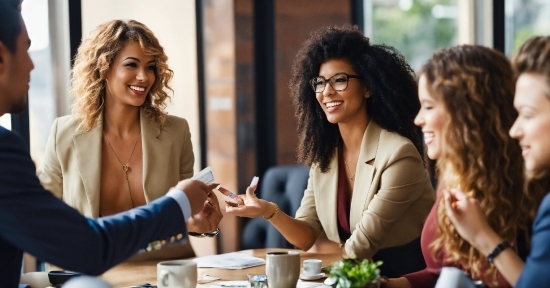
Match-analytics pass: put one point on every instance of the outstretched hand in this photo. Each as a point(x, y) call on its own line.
point(249, 205)
point(208, 219)
point(466, 215)
point(196, 193)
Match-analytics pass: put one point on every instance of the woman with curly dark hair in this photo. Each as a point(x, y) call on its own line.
point(368, 188)
point(118, 149)
point(466, 93)
point(532, 128)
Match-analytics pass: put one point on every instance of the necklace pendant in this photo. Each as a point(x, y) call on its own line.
point(125, 167)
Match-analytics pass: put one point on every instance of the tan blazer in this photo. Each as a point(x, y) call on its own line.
point(72, 161)
point(391, 198)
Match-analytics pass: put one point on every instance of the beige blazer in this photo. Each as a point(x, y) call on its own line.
point(72, 161)
point(391, 198)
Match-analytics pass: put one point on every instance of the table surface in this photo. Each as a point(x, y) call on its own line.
point(129, 274)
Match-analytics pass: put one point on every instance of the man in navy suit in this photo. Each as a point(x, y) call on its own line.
point(34, 220)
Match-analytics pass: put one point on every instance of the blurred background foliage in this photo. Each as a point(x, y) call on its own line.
point(415, 27)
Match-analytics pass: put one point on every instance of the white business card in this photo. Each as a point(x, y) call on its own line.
point(205, 176)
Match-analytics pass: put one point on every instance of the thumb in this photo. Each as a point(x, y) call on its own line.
point(212, 186)
point(251, 191)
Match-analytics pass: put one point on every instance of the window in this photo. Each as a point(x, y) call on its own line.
point(414, 27)
point(42, 104)
point(525, 18)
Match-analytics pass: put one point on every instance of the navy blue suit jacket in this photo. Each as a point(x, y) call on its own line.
point(535, 272)
point(32, 219)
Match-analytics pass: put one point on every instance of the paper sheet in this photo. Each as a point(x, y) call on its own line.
point(233, 260)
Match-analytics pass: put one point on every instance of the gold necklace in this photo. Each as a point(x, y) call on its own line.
point(125, 167)
point(349, 172)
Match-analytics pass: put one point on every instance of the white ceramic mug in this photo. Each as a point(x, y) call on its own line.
point(282, 269)
point(35, 279)
point(176, 274)
point(312, 267)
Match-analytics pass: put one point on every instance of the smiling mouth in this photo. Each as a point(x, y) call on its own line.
point(428, 136)
point(138, 89)
point(333, 104)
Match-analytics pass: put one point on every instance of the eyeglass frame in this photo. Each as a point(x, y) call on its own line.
point(329, 81)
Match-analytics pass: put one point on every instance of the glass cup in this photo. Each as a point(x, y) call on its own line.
point(257, 281)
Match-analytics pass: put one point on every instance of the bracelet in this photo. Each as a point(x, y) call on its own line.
point(274, 212)
point(207, 234)
point(500, 247)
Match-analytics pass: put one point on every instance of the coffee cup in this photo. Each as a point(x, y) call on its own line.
point(312, 267)
point(35, 279)
point(282, 269)
point(176, 273)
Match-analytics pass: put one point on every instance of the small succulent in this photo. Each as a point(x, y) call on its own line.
point(351, 273)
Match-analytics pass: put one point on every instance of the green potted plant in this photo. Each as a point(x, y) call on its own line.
point(350, 273)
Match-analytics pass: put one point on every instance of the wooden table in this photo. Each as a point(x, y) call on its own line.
point(134, 273)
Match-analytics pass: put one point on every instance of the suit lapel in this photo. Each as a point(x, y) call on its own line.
point(328, 196)
point(154, 154)
point(88, 152)
point(364, 173)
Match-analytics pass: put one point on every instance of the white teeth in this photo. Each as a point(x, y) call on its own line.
point(140, 89)
point(333, 104)
point(429, 136)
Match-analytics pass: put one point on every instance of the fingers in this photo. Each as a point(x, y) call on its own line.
point(251, 191)
point(212, 186)
point(240, 200)
point(459, 195)
point(230, 204)
point(254, 182)
point(227, 192)
point(237, 210)
point(450, 206)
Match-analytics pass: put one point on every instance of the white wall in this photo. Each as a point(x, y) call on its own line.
point(173, 22)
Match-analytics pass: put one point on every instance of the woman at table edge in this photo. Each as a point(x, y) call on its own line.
point(532, 130)
point(466, 94)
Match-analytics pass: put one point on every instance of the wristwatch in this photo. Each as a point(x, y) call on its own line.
point(207, 234)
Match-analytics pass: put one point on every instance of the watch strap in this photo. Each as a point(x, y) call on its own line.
point(207, 234)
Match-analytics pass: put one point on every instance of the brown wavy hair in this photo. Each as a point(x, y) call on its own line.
point(534, 57)
point(383, 70)
point(93, 61)
point(475, 85)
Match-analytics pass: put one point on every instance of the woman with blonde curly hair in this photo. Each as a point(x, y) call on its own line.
point(118, 149)
point(532, 129)
point(466, 94)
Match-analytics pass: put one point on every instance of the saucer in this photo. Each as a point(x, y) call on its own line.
point(312, 277)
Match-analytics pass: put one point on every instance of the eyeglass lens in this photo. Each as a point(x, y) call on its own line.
point(338, 82)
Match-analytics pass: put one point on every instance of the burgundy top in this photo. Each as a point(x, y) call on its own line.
point(392, 256)
point(434, 261)
point(344, 203)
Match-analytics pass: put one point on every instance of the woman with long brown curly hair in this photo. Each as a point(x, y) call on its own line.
point(532, 129)
point(368, 188)
point(118, 149)
point(466, 94)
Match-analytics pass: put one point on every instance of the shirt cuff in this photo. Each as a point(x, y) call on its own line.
point(182, 200)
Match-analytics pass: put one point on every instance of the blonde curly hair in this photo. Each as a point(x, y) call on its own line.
point(534, 57)
point(475, 85)
point(92, 63)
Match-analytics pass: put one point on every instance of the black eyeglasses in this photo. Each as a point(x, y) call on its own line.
point(338, 82)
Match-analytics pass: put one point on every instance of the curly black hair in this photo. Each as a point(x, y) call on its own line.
point(393, 101)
